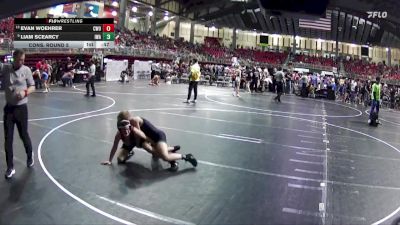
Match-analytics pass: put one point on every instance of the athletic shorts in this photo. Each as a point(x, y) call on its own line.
point(236, 84)
point(128, 148)
point(45, 76)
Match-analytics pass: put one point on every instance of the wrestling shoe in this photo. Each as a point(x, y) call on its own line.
point(174, 166)
point(176, 148)
point(190, 158)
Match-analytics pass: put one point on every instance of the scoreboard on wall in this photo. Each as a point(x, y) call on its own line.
point(64, 33)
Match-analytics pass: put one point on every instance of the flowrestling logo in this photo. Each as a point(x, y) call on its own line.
point(377, 14)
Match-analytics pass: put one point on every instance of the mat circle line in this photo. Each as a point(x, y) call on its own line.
point(165, 109)
point(75, 114)
point(290, 113)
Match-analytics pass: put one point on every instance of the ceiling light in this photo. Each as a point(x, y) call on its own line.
point(134, 9)
point(151, 13)
point(114, 3)
point(114, 13)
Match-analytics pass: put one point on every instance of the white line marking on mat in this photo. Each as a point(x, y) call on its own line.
point(306, 162)
point(309, 142)
point(305, 136)
point(308, 171)
point(321, 207)
point(76, 114)
point(320, 214)
point(308, 154)
point(304, 187)
point(283, 112)
point(301, 212)
point(229, 135)
point(237, 139)
point(235, 122)
point(146, 212)
point(215, 164)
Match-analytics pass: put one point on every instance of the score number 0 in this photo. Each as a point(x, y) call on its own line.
point(108, 27)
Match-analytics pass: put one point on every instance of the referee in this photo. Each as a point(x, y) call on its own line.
point(194, 79)
point(18, 84)
point(279, 84)
point(91, 78)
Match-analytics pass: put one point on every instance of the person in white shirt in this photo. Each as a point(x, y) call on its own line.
point(236, 82)
point(90, 78)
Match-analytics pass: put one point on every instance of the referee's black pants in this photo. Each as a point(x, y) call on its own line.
point(192, 86)
point(90, 82)
point(16, 115)
point(279, 90)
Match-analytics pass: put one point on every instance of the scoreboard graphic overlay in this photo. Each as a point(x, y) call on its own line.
point(64, 33)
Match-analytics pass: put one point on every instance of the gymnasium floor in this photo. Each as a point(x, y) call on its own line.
point(303, 161)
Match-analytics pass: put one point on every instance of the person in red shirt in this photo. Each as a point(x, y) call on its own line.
point(39, 65)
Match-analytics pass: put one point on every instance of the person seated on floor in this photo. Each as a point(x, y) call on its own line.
point(124, 77)
point(155, 81)
point(139, 132)
point(168, 79)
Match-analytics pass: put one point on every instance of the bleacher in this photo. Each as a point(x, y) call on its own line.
point(275, 58)
point(211, 48)
point(7, 28)
point(315, 60)
point(32, 59)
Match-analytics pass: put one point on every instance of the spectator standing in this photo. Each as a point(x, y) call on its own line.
point(279, 84)
point(194, 79)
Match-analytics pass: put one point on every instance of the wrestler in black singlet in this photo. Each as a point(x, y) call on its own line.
point(152, 132)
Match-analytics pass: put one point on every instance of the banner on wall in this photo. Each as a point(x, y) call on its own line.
point(71, 8)
point(141, 67)
point(114, 69)
point(91, 10)
point(56, 10)
point(301, 70)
